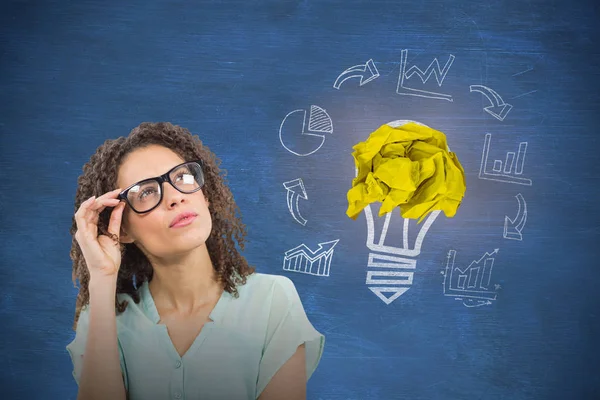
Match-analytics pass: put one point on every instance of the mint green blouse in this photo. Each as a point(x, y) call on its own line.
point(234, 356)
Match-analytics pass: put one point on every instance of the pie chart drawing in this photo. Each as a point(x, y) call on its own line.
point(302, 140)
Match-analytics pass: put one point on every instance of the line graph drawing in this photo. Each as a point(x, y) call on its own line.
point(503, 171)
point(499, 109)
point(365, 72)
point(513, 227)
point(471, 284)
point(295, 191)
point(304, 260)
point(432, 69)
point(319, 122)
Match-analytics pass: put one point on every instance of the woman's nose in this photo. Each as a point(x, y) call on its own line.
point(172, 195)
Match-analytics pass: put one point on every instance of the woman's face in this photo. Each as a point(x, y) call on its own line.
point(151, 231)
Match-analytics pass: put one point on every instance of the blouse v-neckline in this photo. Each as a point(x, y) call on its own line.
point(214, 318)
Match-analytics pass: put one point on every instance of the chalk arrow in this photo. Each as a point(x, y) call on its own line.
point(324, 247)
point(366, 72)
point(475, 303)
point(293, 196)
point(499, 109)
point(513, 227)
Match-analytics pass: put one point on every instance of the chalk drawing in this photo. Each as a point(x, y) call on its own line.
point(304, 260)
point(319, 122)
point(433, 69)
point(471, 284)
point(514, 227)
point(504, 174)
point(365, 72)
point(499, 109)
point(391, 266)
point(295, 191)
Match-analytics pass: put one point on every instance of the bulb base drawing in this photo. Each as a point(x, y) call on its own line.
point(391, 269)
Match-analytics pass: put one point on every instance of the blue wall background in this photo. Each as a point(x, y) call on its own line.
point(241, 74)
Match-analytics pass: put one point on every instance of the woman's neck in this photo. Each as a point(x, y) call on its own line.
point(187, 284)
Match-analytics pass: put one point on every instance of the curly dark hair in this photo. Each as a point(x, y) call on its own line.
point(100, 176)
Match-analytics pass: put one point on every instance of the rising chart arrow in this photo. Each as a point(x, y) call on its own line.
point(366, 72)
point(293, 196)
point(499, 109)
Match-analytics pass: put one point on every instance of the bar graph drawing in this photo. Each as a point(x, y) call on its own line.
point(304, 260)
point(510, 170)
point(471, 284)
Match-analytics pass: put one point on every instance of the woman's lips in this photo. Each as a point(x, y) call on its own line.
point(184, 222)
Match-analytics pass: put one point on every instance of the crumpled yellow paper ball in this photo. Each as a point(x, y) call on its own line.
point(406, 164)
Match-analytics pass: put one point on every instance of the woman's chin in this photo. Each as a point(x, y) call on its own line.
point(192, 238)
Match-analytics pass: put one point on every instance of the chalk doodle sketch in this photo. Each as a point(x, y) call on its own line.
point(433, 69)
point(304, 260)
point(366, 72)
point(319, 122)
point(295, 191)
point(499, 109)
point(471, 285)
point(506, 174)
point(514, 227)
point(399, 260)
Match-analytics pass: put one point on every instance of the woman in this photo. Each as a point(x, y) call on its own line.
point(167, 306)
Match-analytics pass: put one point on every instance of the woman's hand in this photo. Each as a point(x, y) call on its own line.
point(102, 253)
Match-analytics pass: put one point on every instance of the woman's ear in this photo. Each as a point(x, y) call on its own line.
point(124, 236)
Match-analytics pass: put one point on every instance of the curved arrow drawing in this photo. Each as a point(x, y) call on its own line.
point(293, 196)
point(512, 230)
point(499, 109)
point(366, 72)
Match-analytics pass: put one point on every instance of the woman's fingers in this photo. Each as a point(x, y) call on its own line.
point(86, 216)
point(82, 214)
point(100, 204)
point(107, 199)
point(114, 224)
point(86, 231)
point(98, 251)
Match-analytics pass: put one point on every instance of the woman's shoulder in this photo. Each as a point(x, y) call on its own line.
point(259, 282)
point(134, 314)
point(130, 317)
point(263, 290)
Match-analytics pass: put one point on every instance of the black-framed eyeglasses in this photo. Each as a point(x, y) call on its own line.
point(144, 196)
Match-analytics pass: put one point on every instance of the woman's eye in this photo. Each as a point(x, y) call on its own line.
point(146, 192)
point(187, 177)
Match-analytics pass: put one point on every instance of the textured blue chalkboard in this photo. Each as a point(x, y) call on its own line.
point(499, 302)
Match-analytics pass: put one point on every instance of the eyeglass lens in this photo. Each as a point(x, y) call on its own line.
point(187, 178)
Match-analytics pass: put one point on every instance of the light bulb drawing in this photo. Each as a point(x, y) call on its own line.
point(391, 266)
